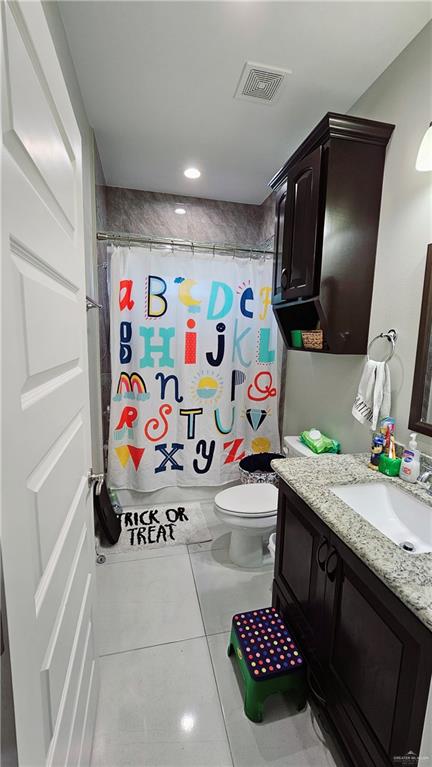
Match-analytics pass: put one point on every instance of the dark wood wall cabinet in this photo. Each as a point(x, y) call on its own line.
point(369, 657)
point(328, 197)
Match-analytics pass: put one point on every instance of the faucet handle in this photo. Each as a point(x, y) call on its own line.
point(424, 476)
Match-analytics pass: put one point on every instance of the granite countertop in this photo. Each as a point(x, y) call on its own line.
point(409, 576)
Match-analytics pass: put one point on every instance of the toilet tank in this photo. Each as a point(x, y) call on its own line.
point(293, 447)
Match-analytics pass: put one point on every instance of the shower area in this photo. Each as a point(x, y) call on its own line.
point(161, 259)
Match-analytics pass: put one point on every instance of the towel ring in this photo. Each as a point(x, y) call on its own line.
point(391, 337)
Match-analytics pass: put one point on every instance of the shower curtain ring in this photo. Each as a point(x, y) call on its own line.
point(151, 242)
point(250, 254)
point(214, 249)
point(172, 246)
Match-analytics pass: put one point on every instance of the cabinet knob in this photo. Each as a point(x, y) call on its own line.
point(332, 564)
point(284, 279)
point(321, 561)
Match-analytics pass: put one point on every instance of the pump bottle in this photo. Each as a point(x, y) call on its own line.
point(410, 465)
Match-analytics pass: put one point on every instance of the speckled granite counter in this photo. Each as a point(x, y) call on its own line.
point(409, 576)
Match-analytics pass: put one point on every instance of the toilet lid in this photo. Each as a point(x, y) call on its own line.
point(258, 498)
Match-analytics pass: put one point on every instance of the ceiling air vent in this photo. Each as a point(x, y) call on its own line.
point(260, 83)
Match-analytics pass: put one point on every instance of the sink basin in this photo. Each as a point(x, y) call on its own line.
point(398, 515)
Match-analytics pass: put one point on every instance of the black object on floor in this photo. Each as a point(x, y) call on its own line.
point(108, 519)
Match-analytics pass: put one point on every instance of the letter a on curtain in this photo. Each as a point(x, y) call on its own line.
point(194, 368)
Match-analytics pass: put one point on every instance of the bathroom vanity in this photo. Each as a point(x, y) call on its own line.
point(360, 608)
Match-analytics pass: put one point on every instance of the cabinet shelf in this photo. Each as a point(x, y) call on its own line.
point(309, 351)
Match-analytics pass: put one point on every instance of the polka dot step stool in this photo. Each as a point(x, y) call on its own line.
point(268, 658)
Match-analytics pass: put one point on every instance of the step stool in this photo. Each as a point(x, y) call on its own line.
point(268, 657)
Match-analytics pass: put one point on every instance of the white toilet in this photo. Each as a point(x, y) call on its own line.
point(250, 511)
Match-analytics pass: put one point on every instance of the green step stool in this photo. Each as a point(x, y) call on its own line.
point(268, 657)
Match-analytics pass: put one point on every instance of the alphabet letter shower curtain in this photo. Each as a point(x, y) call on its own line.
point(194, 367)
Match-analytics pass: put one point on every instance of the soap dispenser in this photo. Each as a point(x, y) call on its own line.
point(410, 466)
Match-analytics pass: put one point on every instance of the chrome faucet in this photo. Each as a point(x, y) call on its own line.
point(423, 479)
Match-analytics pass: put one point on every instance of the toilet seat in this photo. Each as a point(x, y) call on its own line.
point(255, 500)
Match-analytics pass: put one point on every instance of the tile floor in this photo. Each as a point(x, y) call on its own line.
point(169, 695)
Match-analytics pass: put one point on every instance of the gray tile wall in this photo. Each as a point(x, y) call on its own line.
point(151, 213)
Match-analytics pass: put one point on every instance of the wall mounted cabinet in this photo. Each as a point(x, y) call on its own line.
point(328, 197)
point(369, 657)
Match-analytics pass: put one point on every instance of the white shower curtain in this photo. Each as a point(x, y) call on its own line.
point(194, 367)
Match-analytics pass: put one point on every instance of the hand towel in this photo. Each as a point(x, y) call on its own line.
point(373, 399)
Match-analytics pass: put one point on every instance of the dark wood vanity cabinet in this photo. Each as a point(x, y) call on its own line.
point(328, 197)
point(300, 574)
point(369, 657)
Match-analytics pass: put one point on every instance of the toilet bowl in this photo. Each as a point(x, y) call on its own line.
point(250, 512)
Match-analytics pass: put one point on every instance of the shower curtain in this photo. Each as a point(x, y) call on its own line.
point(194, 367)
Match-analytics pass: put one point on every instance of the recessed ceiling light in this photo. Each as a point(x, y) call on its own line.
point(192, 173)
point(180, 211)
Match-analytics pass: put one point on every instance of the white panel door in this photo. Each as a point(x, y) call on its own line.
point(47, 514)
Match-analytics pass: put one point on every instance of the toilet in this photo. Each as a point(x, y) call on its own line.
point(250, 512)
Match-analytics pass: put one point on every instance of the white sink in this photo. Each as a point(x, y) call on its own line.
point(398, 515)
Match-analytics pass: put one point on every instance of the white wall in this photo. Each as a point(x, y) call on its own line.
point(320, 389)
point(62, 48)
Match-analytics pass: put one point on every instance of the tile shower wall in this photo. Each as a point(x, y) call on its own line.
point(130, 210)
point(151, 213)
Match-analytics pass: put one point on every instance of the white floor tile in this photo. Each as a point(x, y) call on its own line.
point(219, 532)
point(134, 556)
point(285, 738)
point(220, 541)
point(224, 589)
point(146, 602)
point(159, 707)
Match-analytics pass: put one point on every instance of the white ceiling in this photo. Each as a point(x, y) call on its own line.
point(158, 80)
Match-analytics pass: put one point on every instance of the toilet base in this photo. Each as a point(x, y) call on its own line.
point(246, 550)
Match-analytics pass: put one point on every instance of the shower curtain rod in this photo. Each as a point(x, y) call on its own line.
point(137, 239)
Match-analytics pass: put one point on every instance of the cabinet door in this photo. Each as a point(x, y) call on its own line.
point(374, 660)
point(279, 238)
point(301, 259)
point(300, 570)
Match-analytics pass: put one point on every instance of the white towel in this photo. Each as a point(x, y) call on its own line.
point(373, 398)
